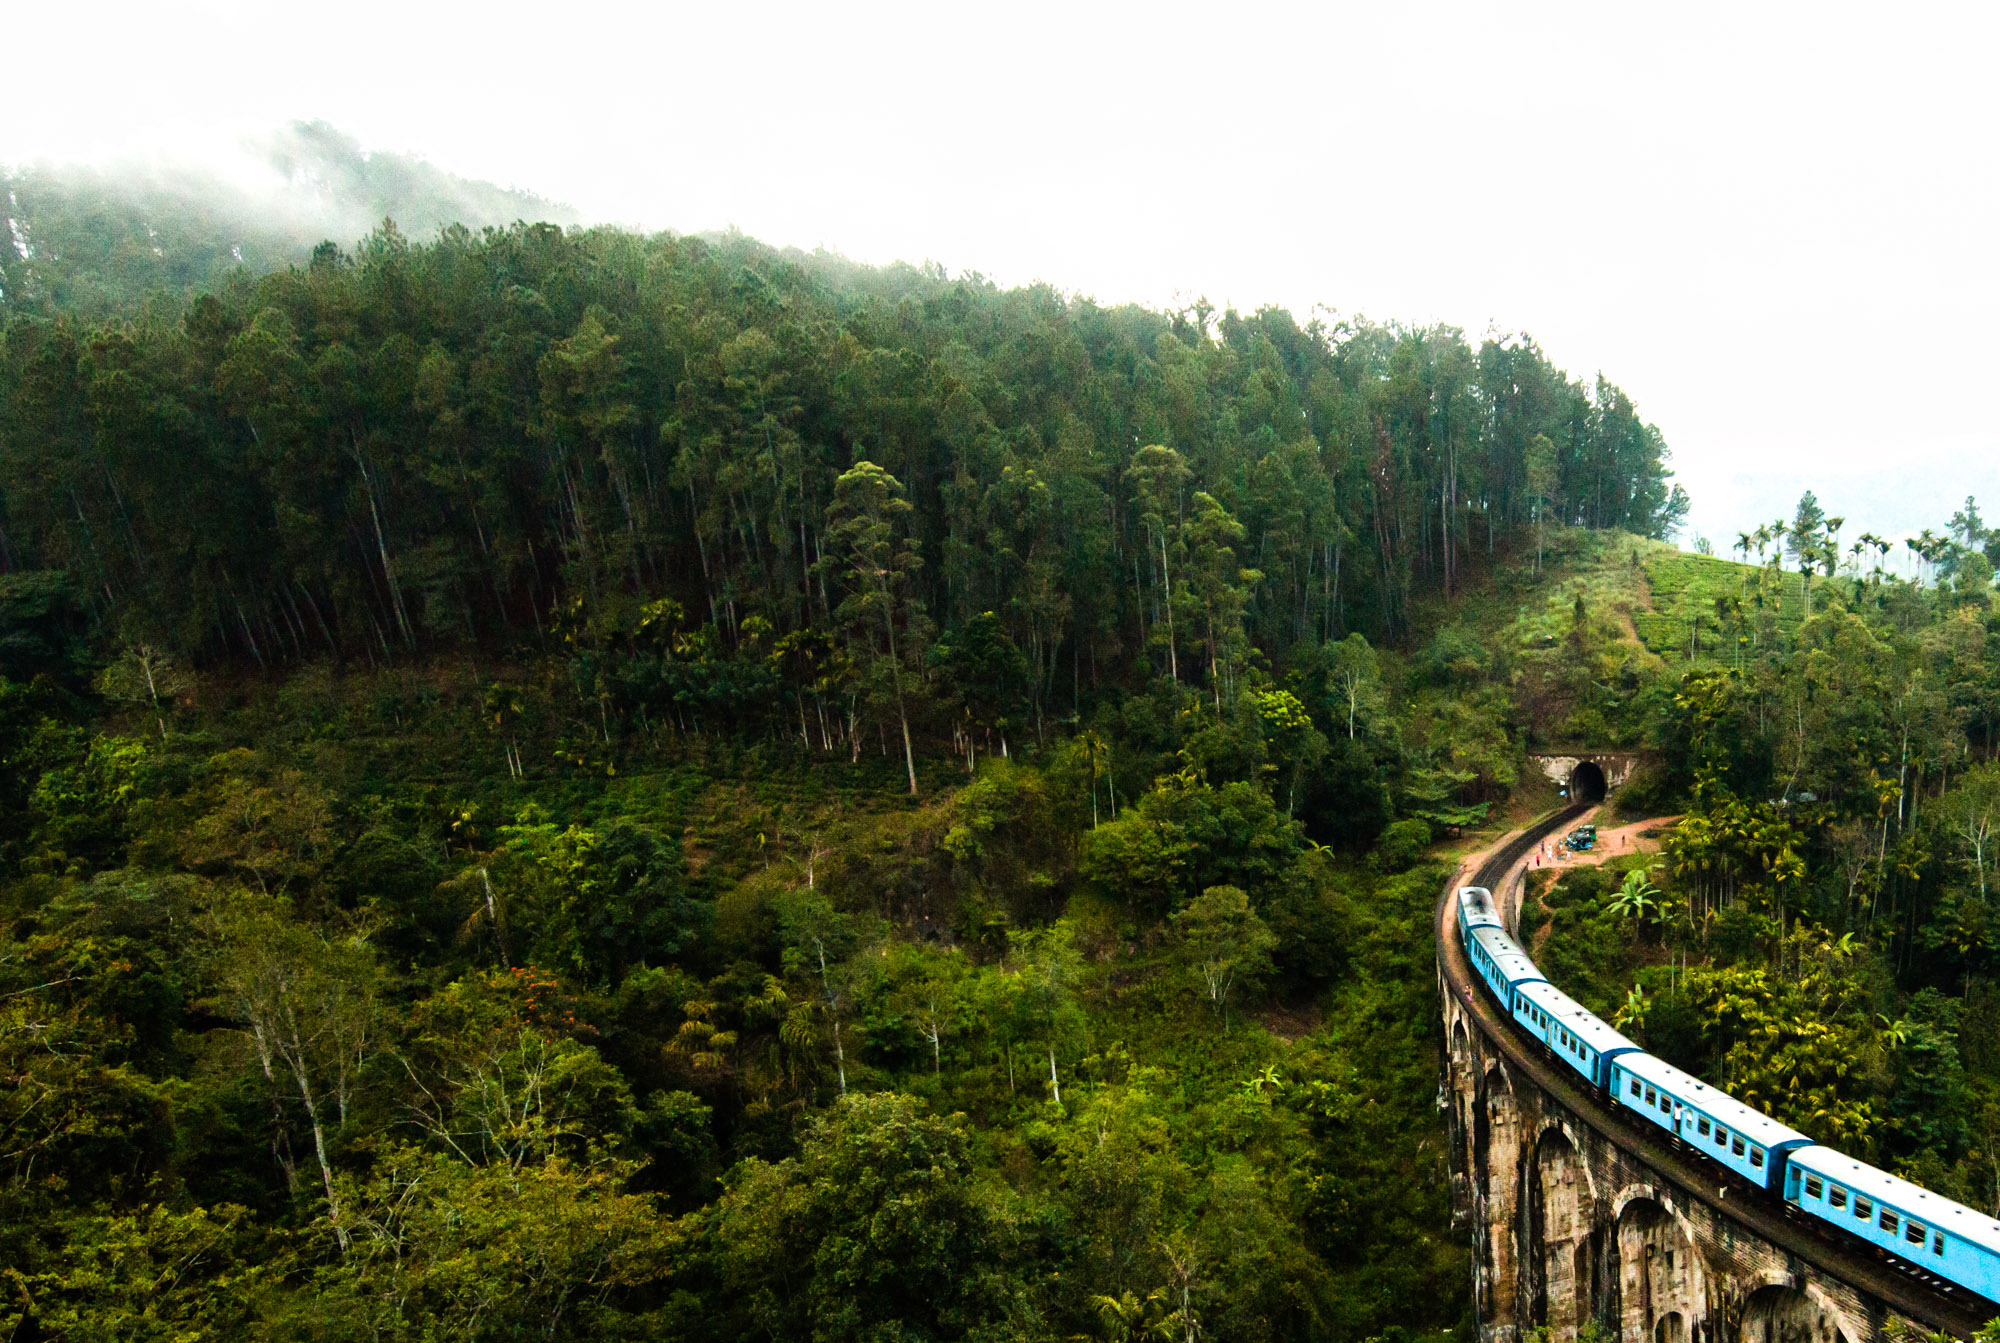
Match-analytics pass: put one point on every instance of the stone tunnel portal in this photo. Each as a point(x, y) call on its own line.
point(1586, 782)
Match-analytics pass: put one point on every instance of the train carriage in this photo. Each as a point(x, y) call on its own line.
point(1578, 1036)
point(1476, 910)
point(1928, 1230)
point(1717, 1125)
point(1499, 960)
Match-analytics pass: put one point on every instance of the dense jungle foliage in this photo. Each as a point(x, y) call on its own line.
point(599, 786)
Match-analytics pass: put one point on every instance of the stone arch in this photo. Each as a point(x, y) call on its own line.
point(1778, 1313)
point(1670, 1328)
point(1624, 1197)
point(1568, 1134)
point(1660, 1273)
point(1781, 1312)
point(1565, 1215)
point(1587, 782)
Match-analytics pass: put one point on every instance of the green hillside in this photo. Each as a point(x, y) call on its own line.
point(1703, 606)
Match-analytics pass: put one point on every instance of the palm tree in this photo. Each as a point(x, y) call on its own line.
point(1881, 549)
point(1632, 1015)
point(1930, 548)
point(1635, 896)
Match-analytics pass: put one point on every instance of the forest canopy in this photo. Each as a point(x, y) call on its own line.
point(647, 446)
point(597, 786)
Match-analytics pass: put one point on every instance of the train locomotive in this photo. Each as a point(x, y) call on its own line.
point(1926, 1231)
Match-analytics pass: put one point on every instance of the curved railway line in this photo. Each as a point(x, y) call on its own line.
point(1921, 1297)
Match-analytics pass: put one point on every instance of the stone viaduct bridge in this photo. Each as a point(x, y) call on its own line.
point(1578, 1215)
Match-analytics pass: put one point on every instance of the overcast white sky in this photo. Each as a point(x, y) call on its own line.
point(1776, 227)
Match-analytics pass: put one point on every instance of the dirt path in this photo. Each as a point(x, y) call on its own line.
point(1612, 842)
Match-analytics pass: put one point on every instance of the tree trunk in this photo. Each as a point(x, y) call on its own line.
point(896, 679)
point(382, 544)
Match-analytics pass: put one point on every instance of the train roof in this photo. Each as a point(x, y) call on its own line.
point(1507, 954)
point(1475, 904)
point(1578, 1019)
point(1719, 1105)
point(1913, 1200)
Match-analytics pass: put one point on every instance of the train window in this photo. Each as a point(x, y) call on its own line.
point(1651, 1095)
point(1863, 1208)
point(1837, 1196)
point(1914, 1233)
point(1702, 1125)
point(1937, 1242)
point(1889, 1220)
point(1756, 1156)
point(1736, 1147)
point(1721, 1136)
point(1635, 1086)
point(1815, 1187)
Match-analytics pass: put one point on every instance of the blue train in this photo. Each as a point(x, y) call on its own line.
point(1926, 1230)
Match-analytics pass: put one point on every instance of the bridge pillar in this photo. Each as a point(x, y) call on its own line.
point(1497, 1163)
point(1563, 1224)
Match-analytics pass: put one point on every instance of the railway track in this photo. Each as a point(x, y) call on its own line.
point(1919, 1296)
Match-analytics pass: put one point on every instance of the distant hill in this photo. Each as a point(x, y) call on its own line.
point(97, 240)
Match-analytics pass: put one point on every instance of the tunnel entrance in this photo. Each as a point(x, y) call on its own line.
point(1586, 783)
